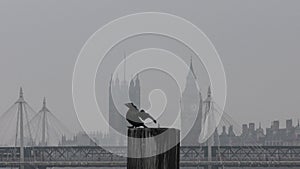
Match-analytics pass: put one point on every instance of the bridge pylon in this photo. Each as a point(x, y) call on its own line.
point(21, 103)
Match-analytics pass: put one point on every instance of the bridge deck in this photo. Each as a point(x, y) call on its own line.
point(95, 156)
point(182, 163)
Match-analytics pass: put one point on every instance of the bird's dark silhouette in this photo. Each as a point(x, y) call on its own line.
point(135, 117)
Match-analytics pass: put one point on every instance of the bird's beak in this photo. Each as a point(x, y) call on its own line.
point(128, 105)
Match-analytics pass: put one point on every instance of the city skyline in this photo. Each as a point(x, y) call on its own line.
point(258, 50)
point(149, 84)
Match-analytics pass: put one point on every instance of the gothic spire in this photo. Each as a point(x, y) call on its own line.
point(191, 67)
point(209, 92)
point(137, 80)
point(124, 75)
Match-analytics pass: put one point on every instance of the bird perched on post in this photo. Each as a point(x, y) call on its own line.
point(134, 116)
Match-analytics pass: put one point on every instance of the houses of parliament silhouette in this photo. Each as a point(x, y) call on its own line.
point(192, 106)
point(191, 102)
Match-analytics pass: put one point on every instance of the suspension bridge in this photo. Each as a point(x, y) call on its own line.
point(35, 145)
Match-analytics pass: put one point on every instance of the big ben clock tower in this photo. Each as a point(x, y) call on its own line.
point(191, 108)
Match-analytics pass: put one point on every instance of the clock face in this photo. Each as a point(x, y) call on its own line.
point(194, 107)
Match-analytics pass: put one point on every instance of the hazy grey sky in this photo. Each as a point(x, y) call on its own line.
point(258, 42)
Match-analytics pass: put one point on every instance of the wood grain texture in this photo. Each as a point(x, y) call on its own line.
point(153, 148)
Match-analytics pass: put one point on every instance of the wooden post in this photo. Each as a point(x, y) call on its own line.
point(150, 148)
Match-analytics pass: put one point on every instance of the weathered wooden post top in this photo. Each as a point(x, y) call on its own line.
point(153, 148)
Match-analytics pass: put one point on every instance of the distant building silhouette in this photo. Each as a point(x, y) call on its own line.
point(274, 136)
point(118, 96)
point(191, 108)
point(135, 92)
point(80, 139)
point(250, 136)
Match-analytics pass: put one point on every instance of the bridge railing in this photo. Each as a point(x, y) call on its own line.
point(259, 153)
point(9, 153)
point(187, 153)
point(76, 153)
point(193, 153)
